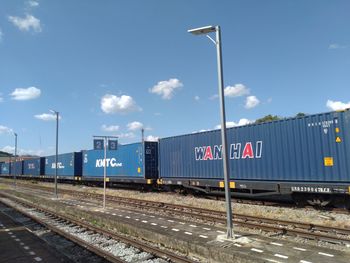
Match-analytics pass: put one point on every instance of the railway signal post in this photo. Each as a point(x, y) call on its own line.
point(206, 30)
point(101, 143)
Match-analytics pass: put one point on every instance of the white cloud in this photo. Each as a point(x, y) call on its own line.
point(337, 105)
point(134, 126)
point(46, 117)
point(27, 23)
point(11, 149)
point(230, 124)
point(114, 104)
point(26, 94)
point(32, 3)
point(111, 128)
point(166, 88)
point(151, 138)
point(336, 46)
point(4, 129)
point(196, 98)
point(127, 135)
point(1, 35)
point(236, 91)
point(251, 102)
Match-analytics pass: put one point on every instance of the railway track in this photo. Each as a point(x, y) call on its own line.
point(95, 239)
point(282, 227)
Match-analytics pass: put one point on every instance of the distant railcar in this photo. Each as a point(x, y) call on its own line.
point(34, 167)
point(69, 165)
point(130, 163)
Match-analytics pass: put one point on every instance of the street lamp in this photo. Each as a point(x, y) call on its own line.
point(206, 30)
point(14, 166)
point(56, 157)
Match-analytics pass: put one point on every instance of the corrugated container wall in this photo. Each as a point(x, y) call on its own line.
point(5, 168)
point(16, 168)
point(313, 148)
point(126, 161)
point(68, 164)
point(35, 166)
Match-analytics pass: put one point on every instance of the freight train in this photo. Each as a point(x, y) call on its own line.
point(306, 158)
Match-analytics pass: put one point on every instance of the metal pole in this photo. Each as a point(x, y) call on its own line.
point(14, 166)
point(104, 172)
point(56, 156)
point(223, 135)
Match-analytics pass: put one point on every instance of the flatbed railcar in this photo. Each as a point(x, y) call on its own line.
point(306, 157)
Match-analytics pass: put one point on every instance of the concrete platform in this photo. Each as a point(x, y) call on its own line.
point(209, 243)
point(18, 244)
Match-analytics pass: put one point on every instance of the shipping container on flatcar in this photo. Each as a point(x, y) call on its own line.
point(69, 165)
point(308, 154)
point(34, 167)
point(5, 168)
point(16, 168)
point(130, 163)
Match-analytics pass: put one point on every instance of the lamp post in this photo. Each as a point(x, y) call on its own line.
point(56, 156)
point(14, 166)
point(206, 30)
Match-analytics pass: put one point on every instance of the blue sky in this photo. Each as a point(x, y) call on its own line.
point(112, 67)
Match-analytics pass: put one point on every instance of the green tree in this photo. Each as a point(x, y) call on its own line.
point(268, 118)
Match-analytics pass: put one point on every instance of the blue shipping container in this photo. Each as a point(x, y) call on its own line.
point(16, 168)
point(68, 165)
point(35, 166)
point(126, 161)
point(315, 148)
point(5, 168)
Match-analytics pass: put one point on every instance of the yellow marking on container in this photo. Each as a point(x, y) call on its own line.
point(338, 139)
point(349, 190)
point(221, 184)
point(232, 185)
point(337, 130)
point(159, 181)
point(149, 181)
point(139, 170)
point(107, 179)
point(328, 161)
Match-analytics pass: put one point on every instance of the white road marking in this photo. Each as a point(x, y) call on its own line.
point(175, 229)
point(299, 248)
point(272, 260)
point(257, 250)
point(206, 228)
point(127, 216)
point(202, 236)
point(120, 215)
point(38, 259)
point(193, 225)
point(17, 239)
point(154, 224)
point(220, 232)
point(10, 233)
point(160, 218)
point(144, 221)
point(164, 227)
point(7, 230)
point(137, 219)
point(304, 261)
point(325, 254)
point(171, 221)
point(188, 233)
point(182, 223)
point(13, 236)
point(32, 253)
point(237, 245)
point(114, 214)
point(26, 247)
point(281, 256)
point(22, 244)
point(276, 244)
point(152, 216)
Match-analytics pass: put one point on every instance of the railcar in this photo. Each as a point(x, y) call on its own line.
point(307, 158)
